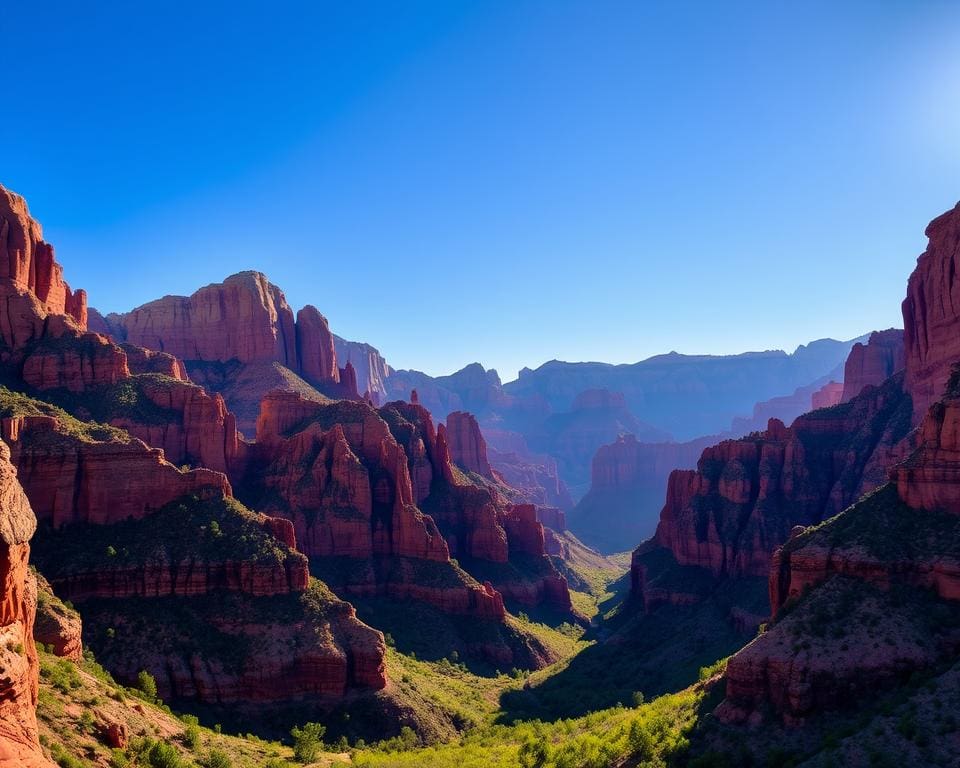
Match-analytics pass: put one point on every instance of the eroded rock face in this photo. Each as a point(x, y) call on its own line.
point(466, 443)
point(321, 653)
point(828, 395)
point(347, 487)
point(140, 360)
point(28, 262)
point(199, 430)
point(57, 627)
point(316, 353)
point(357, 480)
point(19, 669)
point(244, 318)
point(877, 570)
point(71, 480)
point(930, 477)
point(372, 369)
point(930, 314)
point(873, 363)
point(745, 496)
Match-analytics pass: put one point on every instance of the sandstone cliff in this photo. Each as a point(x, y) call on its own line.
point(873, 363)
point(930, 314)
point(19, 745)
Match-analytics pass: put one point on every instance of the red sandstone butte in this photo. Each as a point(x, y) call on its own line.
point(466, 443)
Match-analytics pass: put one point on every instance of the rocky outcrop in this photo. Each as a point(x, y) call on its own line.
point(346, 486)
point(318, 654)
point(468, 449)
point(552, 517)
point(244, 318)
point(19, 669)
point(74, 362)
point(876, 570)
point(745, 496)
point(828, 395)
point(930, 477)
point(524, 531)
point(72, 478)
point(316, 353)
point(356, 482)
point(28, 262)
point(372, 370)
point(888, 564)
point(197, 430)
point(58, 627)
point(873, 363)
point(201, 594)
point(930, 313)
point(188, 577)
point(140, 360)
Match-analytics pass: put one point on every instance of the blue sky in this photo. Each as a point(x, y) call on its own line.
point(500, 181)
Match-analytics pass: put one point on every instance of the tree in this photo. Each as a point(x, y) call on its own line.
point(307, 741)
point(147, 683)
point(534, 753)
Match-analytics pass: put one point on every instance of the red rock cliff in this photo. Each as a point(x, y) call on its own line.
point(930, 314)
point(315, 350)
point(28, 262)
point(19, 669)
point(873, 363)
point(466, 443)
point(69, 479)
point(746, 495)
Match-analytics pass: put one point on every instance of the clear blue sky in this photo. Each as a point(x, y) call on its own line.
point(500, 181)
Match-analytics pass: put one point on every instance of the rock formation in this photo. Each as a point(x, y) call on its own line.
point(316, 354)
point(19, 669)
point(58, 627)
point(873, 363)
point(828, 395)
point(78, 478)
point(746, 495)
point(930, 310)
point(888, 564)
point(372, 370)
point(468, 449)
point(244, 318)
point(628, 482)
point(28, 262)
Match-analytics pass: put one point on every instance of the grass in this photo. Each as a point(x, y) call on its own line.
point(127, 400)
point(77, 700)
point(887, 529)
point(18, 404)
point(652, 733)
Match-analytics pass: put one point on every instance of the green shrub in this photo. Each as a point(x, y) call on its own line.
point(307, 741)
point(162, 755)
point(191, 731)
point(217, 758)
point(147, 684)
